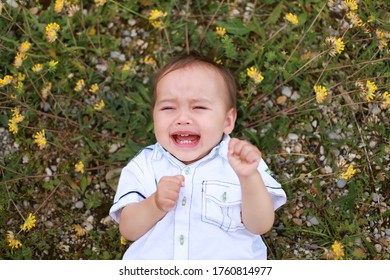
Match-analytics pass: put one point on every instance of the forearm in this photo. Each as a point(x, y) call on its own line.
point(136, 219)
point(257, 206)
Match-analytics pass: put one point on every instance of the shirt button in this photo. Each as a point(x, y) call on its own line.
point(187, 170)
point(184, 201)
point(181, 239)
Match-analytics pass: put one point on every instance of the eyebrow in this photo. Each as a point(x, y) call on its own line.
point(193, 100)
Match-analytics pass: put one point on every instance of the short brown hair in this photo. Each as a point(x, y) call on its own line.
point(188, 59)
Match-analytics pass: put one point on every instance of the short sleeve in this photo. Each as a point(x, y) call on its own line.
point(274, 188)
point(130, 188)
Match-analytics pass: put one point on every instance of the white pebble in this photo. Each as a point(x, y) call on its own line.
point(292, 136)
point(286, 91)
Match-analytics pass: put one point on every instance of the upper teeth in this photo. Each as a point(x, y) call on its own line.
point(184, 135)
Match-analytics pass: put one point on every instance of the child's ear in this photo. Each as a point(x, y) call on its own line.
point(230, 120)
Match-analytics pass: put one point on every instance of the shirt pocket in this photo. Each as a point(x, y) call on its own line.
point(221, 205)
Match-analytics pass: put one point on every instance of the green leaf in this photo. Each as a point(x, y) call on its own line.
point(274, 16)
point(236, 27)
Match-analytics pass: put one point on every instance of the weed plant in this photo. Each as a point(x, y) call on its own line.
point(75, 95)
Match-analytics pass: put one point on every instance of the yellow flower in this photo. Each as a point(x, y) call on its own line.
point(29, 223)
point(21, 77)
point(24, 47)
point(40, 139)
point(37, 67)
point(19, 58)
point(386, 100)
point(79, 167)
point(123, 240)
point(14, 121)
point(80, 231)
point(336, 45)
point(46, 90)
point(51, 31)
point(321, 93)
point(354, 19)
point(13, 126)
point(8, 79)
point(370, 90)
point(99, 106)
point(126, 67)
point(338, 250)
point(150, 61)
point(79, 85)
point(156, 14)
point(254, 74)
point(351, 4)
point(58, 6)
point(157, 24)
point(220, 31)
point(94, 88)
point(12, 242)
point(100, 2)
point(16, 116)
point(292, 18)
point(349, 173)
point(52, 64)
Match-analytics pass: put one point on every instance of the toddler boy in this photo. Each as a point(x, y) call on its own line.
point(196, 193)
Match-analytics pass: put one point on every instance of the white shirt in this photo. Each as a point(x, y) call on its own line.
point(206, 223)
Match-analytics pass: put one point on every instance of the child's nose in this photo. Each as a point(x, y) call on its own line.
point(183, 118)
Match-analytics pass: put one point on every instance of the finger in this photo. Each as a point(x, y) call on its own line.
point(236, 146)
point(250, 153)
point(181, 180)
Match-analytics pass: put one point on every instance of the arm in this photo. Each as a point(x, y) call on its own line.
point(137, 218)
point(257, 206)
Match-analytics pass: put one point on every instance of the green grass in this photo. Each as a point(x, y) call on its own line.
point(346, 128)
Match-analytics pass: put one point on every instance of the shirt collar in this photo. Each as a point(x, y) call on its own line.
point(220, 149)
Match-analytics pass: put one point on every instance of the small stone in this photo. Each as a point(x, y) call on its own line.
point(286, 91)
point(341, 183)
point(378, 248)
point(25, 159)
point(298, 148)
point(297, 221)
point(48, 171)
point(335, 136)
point(49, 224)
point(314, 123)
point(375, 197)
point(281, 100)
point(113, 148)
point(387, 231)
point(300, 160)
point(107, 220)
point(295, 96)
point(372, 144)
point(79, 204)
point(292, 136)
point(313, 220)
point(326, 170)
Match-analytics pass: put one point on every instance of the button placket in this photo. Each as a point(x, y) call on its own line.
point(182, 216)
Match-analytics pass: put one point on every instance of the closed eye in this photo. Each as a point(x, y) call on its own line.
point(167, 108)
point(200, 108)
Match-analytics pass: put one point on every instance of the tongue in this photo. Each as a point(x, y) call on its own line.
point(187, 138)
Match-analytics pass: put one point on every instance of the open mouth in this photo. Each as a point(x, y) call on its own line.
point(185, 139)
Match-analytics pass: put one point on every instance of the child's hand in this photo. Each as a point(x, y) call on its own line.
point(243, 157)
point(168, 192)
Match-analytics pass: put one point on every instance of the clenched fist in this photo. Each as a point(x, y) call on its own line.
point(243, 157)
point(168, 190)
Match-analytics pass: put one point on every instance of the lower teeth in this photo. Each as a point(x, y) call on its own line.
point(185, 142)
